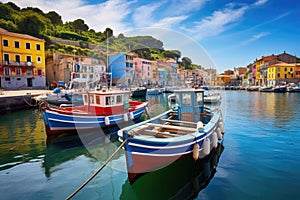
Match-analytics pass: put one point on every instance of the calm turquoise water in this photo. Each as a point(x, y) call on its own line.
point(259, 157)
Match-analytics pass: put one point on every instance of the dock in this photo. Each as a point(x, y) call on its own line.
point(11, 100)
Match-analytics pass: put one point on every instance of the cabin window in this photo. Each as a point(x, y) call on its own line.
point(199, 99)
point(110, 100)
point(91, 99)
point(186, 98)
point(98, 100)
point(119, 99)
point(85, 98)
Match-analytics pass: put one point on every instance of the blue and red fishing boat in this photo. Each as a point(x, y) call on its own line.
point(104, 108)
point(189, 129)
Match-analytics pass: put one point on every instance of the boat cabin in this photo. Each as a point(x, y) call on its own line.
point(190, 103)
point(109, 102)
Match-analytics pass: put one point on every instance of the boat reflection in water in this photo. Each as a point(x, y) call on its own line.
point(68, 146)
point(183, 179)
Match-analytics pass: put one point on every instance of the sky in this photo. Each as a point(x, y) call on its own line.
point(220, 34)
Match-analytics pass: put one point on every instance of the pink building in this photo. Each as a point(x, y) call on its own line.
point(143, 71)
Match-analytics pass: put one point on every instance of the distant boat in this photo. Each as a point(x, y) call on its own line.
point(103, 108)
point(189, 129)
point(138, 92)
point(154, 91)
point(266, 89)
point(208, 99)
point(280, 89)
point(212, 98)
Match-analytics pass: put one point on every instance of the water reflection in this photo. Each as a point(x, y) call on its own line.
point(183, 179)
point(67, 147)
point(22, 138)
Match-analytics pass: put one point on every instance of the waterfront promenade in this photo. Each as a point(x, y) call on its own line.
point(19, 99)
point(12, 93)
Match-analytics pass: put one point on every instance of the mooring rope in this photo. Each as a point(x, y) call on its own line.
point(32, 105)
point(93, 176)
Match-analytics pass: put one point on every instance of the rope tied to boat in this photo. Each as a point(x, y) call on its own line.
point(100, 168)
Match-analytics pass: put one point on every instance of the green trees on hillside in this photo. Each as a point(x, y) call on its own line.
point(49, 26)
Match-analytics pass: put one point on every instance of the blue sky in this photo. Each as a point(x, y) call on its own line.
point(214, 33)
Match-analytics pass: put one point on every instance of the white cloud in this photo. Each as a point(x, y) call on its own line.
point(112, 13)
point(183, 7)
point(217, 23)
point(256, 37)
point(260, 2)
point(143, 15)
point(169, 22)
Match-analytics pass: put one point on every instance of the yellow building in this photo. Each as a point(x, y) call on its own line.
point(280, 72)
point(22, 61)
point(223, 80)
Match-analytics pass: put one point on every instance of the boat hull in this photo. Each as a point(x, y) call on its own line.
point(145, 155)
point(56, 122)
point(139, 93)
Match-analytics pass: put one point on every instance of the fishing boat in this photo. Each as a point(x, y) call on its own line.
point(138, 92)
point(280, 89)
point(104, 108)
point(154, 91)
point(188, 129)
point(266, 89)
point(208, 98)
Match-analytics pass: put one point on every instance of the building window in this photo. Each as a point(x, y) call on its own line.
point(291, 69)
point(29, 72)
point(17, 57)
point(5, 43)
point(285, 69)
point(27, 45)
point(18, 71)
point(38, 59)
point(38, 47)
point(6, 71)
point(6, 59)
point(278, 75)
point(40, 72)
point(17, 44)
point(278, 69)
point(28, 58)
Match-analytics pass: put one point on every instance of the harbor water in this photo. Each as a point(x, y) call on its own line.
point(258, 159)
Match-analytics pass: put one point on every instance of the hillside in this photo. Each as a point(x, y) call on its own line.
point(76, 36)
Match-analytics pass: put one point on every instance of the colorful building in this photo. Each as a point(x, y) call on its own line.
point(121, 66)
point(223, 80)
point(22, 61)
point(143, 72)
point(281, 73)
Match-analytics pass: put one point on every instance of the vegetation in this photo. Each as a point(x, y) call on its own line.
point(76, 36)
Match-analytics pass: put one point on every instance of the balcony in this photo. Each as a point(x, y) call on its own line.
point(17, 64)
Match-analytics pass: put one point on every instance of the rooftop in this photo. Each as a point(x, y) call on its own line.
point(18, 35)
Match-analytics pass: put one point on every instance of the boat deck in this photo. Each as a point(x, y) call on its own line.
point(170, 128)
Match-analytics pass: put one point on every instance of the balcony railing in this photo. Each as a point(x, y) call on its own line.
point(14, 63)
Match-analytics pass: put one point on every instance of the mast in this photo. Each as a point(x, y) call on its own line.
point(110, 84)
